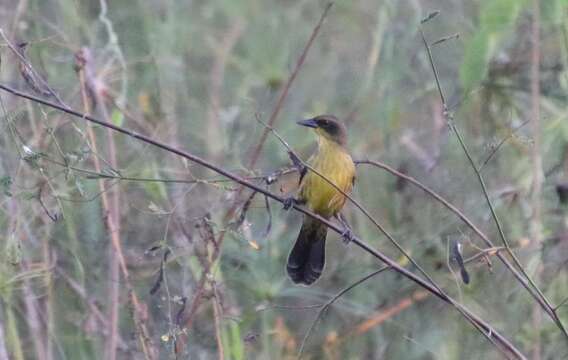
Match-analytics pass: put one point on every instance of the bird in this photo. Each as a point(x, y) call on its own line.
point(332, 160)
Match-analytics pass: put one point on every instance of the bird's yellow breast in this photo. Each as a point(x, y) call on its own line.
point(333, 162)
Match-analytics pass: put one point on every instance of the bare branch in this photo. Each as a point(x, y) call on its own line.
point(545, 304)
point(486, 328)
point(284, 93)
point(330, 302)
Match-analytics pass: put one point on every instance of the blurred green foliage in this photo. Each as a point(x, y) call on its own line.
point(196, 74)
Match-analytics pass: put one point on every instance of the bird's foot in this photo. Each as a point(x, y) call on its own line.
point(347, 235)
point(289, 202)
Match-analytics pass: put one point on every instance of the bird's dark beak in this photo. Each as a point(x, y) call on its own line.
point(309, 123)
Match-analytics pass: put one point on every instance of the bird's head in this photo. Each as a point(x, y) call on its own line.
point(328, 127)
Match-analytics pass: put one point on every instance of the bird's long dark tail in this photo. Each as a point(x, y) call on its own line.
point(307, 258)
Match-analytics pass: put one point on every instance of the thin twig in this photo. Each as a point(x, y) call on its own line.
point(217, 314)
point(295, 157)
point(451, 123)
point(488, 330)
point(484, 253)
point(95, 175)
point(254, 158)
point(284, 93)
point(109, 201)
point(326, 306)
point(288, 307)
point(25, 63)
point(501, 143)
point(537, 173)
point(216, 77)
point(112, 212)
point(255, 155)
point(79, 290)
point(388, 313)
point(562, 303)
point(519, 276)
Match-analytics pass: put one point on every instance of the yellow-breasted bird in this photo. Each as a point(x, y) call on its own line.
point(307, 258)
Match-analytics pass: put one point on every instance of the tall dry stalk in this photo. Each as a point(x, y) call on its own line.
point(537, 172)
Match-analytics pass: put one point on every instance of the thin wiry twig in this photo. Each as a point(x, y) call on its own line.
point(462, 217)
point(284, 93)
point(27, 66)
point(244, 209)
point(179, 313)
point(216, 77)
point(383, 315)
point(30, 156)
point(217, 314)
point(535, 222)
point(445, 38)
point(488, 330)
point(485, 253)
point(562, 303)
point(109, 200)
point(256, 154)
point(451, 123)
point(111, 207)
point(160, 278)
point(288, 307)
point(296, 158)
point(78, 289)
point(501, 143)
point(326, 306)
point(94, 175)
point(52, 217)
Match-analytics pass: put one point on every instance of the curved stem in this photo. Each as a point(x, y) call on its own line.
point(495, 337)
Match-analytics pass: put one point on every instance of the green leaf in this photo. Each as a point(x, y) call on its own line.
point(237, 350)
point(476, 58)
point(498, 15)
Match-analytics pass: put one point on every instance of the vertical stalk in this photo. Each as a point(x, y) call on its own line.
point(13, 337)
point(536, 155)
point(49, 300)
point(3, 349)
point(110, 203)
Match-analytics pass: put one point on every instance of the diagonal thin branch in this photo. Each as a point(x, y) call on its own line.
point(376, 223)
point(353, 201)
point(284, 93)
point(519, 276)
point(535, 222)
point(330, 302)
point(501, 143)
point(254, 158)
point(28, 67)
point(501, 343)
point(547, 306)
point(111, 208)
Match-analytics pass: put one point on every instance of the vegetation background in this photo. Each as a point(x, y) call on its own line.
point(114, 249)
